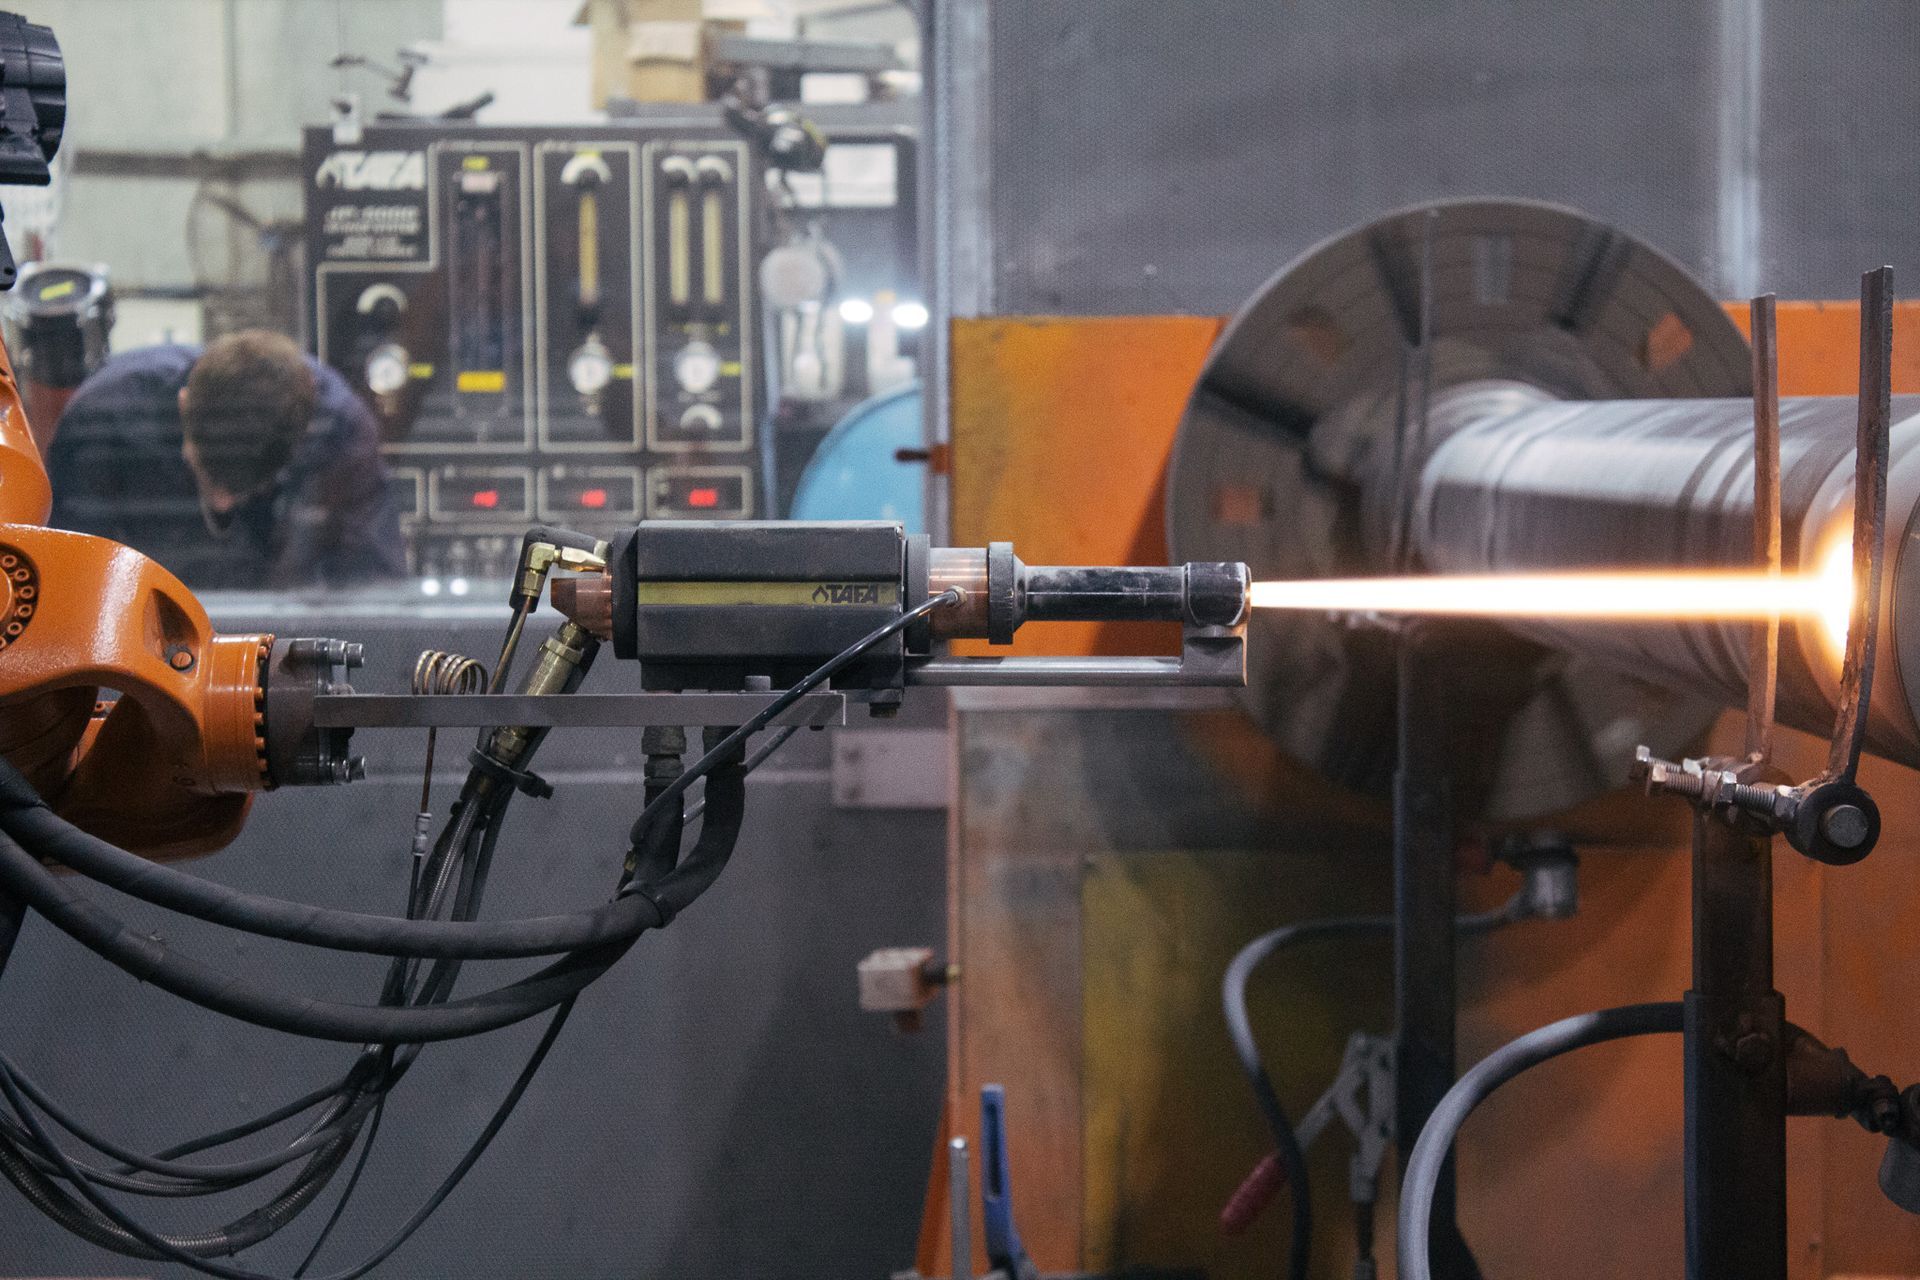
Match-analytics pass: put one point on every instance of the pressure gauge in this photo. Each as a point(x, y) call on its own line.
point(696, 368)
point(387, 369)
point(591, 367)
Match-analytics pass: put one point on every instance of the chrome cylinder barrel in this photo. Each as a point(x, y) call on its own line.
point(1664, 485)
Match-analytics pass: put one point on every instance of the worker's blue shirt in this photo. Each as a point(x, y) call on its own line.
point(117, 471)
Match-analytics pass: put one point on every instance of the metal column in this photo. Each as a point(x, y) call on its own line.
point(1423, 905)
point(1736, 1075)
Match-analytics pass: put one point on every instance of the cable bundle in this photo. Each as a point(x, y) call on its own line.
point(428, 946)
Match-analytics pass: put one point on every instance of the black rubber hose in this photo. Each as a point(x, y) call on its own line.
point(237, 1172)
point(25, 817)
point(346, 1192)
point(50, 838)
point(775, 740)
point(285, 1111)
point(357, 1093)
point(1233, 1001)
point(14, 1135)
point(678, 887)
point(726, 808)
point(152, 961)
point(735, 741)
point(105, 1231)
point(163, 1247)
point(1477, 1085)
point(1233, 1004)
point(337, 1129)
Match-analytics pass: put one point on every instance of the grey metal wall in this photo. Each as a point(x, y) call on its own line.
point(1149, 156)
point(718, 1106)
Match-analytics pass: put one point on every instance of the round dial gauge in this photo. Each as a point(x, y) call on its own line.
point(590, 368)
point(386, 369)
point(696, 368)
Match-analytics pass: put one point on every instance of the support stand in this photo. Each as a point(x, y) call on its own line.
point(1739, 1046)
point(1425, 1012)
point(1736, 1075)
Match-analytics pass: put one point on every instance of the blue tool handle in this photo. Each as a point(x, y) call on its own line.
point(1004, 1250)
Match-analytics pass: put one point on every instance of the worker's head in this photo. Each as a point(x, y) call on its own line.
point(247, 402)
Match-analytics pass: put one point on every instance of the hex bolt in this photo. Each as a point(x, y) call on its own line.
point(1752, 1052)
point(1845, 825)
point(1664, 777)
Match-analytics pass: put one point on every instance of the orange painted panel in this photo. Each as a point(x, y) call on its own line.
point(1061, 432)
point(1820, 346)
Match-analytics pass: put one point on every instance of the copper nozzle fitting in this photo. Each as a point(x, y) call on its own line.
point(963, 569)
point(586, 600)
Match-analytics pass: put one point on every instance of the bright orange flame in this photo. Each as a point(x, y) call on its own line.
point(1836, 576)
point(1825, 597)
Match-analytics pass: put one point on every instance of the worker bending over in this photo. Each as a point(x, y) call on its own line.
point(241, 464)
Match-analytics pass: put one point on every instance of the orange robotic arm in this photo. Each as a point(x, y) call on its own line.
point(167, 767)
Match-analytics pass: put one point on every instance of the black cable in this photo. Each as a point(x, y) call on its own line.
point(229, 1173)
point(1477, 1085)
point(1233, 1004)
point(152, 961)
point(256, 1226)
point(766, 715)
point(51, 838)
point(26, 818)
point(346, 1192)
point(166, 1249)
point(728, 794)
point(242, 1233)
point(678, 886)
point(1240, 1030)
point(343, 1121)
point(217, 1177)
point(400, 987)
point(775, 740)
point(15, 1136)
point(279, 1115)
point(348, 1112)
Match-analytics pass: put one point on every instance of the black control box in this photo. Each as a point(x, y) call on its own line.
point(709, 605)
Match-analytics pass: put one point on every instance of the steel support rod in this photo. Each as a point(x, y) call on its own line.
point(960, 1209)
point(1736, 1079)
point(1763, 642)
point(1423, 890)
point(573, 711)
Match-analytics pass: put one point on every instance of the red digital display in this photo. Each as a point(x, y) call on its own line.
point(603, 493)
point(707, 493)
point(478, 493)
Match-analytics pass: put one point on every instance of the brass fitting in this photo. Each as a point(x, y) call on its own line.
point(558, 668)
point(540, 558)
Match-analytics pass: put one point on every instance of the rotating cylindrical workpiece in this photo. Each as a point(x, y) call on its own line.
point(1616, 485)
